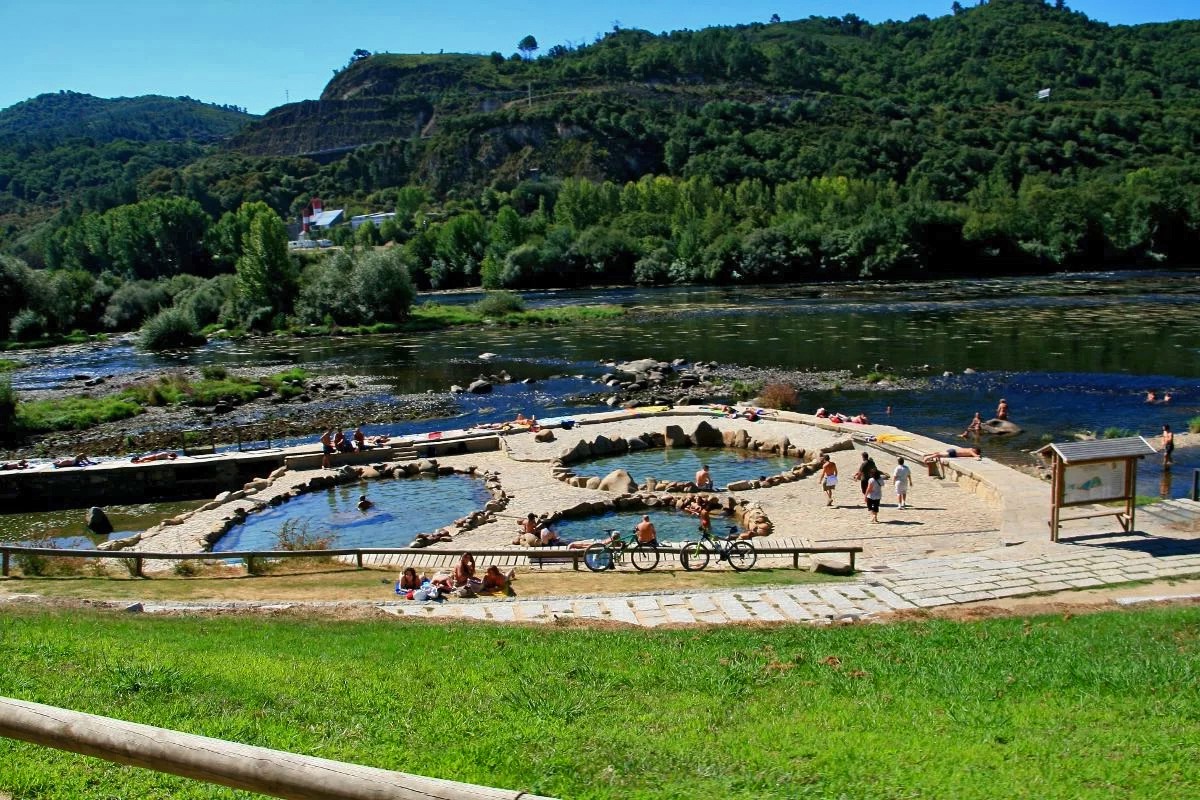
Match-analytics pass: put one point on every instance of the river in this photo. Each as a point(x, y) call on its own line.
point(1070, 353)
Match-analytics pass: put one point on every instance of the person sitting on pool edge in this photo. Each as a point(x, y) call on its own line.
point(952, 452)
point(646, 534)
point(704, 479)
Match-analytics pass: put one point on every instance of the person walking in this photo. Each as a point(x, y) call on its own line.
point(829, 477)
point(865, 470)
point(1168, 446)
point(902, 476)
point(873, 493)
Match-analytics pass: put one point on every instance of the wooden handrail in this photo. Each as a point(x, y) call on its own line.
point(138, 556)
point(257, 769)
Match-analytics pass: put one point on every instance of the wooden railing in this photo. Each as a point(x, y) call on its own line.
point(534, 554)
point(256, 769)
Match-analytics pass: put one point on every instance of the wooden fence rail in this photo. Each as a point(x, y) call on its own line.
point(256, 769)
point(536, 555)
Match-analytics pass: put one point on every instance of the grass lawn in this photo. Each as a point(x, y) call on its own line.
point(306, 580)
point(1094, 706)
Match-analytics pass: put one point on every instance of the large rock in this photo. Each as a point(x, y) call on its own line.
point(97, 521)
point(638, 366)
point(770, 444)
point(580, 452)
point(544, 435)
point(480, 387)
point(674, 436)
point(1000, 427)
point(618, 481)
point(737, 439)
point(706, 435)
point(602, 446)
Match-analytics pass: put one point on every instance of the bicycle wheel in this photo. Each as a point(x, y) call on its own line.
point(598, 558)
point(693, 556)
point(742, 556)
point(642, 557)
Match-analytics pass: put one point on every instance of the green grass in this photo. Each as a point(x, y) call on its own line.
point(1194, 425)
point(430, 316)
point(73, 413)
point(80, 412)
point(1093, 706)
point(74, 337)
point(9, 365)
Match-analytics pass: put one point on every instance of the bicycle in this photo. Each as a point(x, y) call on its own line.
point(608, 554)
point(740, 554)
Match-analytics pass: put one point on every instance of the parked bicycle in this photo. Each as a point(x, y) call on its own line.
point(609, 553)
point(740, 553)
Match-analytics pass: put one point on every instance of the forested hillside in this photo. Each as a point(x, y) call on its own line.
point(818, 149)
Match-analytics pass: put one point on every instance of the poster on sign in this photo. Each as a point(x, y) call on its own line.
point(1094, 483)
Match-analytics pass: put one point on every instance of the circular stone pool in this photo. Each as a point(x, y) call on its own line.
point(403, 508)
point(672, 526)
point(681, 464)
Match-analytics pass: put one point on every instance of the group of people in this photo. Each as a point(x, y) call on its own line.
point(335, 440)
point(870, 480)
point(837, 416)
point(461, 582)
point(532, 532)
point(1153, 398)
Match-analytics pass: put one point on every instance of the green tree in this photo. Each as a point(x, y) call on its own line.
point(266, 276)
point(528, 46)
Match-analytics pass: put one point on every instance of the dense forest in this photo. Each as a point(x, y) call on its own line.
point(1006, 137)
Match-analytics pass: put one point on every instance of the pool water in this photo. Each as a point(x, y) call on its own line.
point(672, 526)
point(682, 464)
point(65, 527)
point(403, 508)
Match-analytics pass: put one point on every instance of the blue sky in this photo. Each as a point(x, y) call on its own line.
point(258, 53)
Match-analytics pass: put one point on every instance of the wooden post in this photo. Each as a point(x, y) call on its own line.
point(358, 557)
point(1055, 496)
point(255, 769)
point(1196, 485)
point(137, 567)
point(6, 563)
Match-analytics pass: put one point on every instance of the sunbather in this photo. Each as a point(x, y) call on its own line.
point(166, 455)
point(952, 452)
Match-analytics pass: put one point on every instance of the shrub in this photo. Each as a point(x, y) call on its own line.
point(28, 325)
point(8, 410)
point(73, 413)
point(135, 302)
point(1194, 425)
point(744, 390)
point(1117, 433)
point(214, 373)
point(170, 329)
point(188, 569)
point(778, 395)
point(497, 304)
point(295, 535)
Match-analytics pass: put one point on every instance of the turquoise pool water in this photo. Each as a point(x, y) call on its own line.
point(672, 526)
point(403, 508)
point(681, 464)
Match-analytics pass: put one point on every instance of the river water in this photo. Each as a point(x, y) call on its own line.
point(1069, 352)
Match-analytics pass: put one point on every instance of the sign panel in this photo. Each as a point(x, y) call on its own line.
point(1094, 483)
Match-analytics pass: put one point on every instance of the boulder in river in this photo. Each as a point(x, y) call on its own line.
point(1000, 427)
point(480, 387)
point(97, 521)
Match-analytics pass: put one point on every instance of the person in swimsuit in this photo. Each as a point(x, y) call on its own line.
point(704, 479)
point(974, 428)
point(952, 452)
point(646, 534)
point(326, 447)
point(1002, 409)
point(829, 477)
point(1168, 446)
